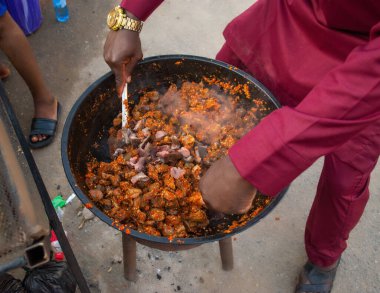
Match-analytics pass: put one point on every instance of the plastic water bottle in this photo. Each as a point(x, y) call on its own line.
point(61, 10)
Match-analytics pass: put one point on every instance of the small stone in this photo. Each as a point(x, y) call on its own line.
point(158, 276)
point(81, 225)
point(116, 259)
point(109, 270)
point(58, 187)
point(178, 288)
point(87, 214)
point(201, 280)
point(92, 285)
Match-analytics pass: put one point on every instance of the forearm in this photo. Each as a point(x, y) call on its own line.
point(16, 47)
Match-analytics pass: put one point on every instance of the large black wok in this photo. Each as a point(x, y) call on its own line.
point(85, 131)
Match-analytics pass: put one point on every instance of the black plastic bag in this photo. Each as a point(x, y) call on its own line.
point(51, 277)
point(8, 284)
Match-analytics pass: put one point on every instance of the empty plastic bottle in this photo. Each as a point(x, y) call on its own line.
point(61, 10)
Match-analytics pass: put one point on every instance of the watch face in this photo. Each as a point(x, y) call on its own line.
point(112, 18)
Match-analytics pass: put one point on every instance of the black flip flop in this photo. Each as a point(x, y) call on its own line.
point(46, 127)
point(320, 281)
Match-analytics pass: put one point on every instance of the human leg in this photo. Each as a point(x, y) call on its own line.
point(341, 197)
point(15, 45)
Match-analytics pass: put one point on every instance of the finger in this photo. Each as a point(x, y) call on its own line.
point(120, 77)
point(247, 204)
point(241, 211)
point(34, 138)
point(130, 66)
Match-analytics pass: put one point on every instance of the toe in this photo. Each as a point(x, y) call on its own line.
point(34, 138)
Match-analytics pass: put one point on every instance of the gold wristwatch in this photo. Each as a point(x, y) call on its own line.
point(117, 19)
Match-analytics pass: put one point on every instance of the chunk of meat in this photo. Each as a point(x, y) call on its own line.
point(140, 216)
point(169, 180)
point(124, 185)
point(152, 172)
point(176, 173)
point(161, 168)
point(133, 193)
point(154, 187)
point(96, 194)
point(187, 141)
point(183, 184)
point(157, 215)
point(167, 230)
point(158, 202)
point(168, 195)
point(198, 216)
point(160, 134)
point(184, 152)
point(151, 231)
point(106, 203)
point(139, 177)
point(196, 171)
point(173, 220)
point(180, 231)
point(120, 214)
point(196, 199)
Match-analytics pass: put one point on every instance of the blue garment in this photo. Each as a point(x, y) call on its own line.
point(3, 7)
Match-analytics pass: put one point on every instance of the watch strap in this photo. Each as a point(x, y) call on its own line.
point(132, 24)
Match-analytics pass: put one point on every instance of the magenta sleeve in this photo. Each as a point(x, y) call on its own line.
point(141, 8)
point(288, 140)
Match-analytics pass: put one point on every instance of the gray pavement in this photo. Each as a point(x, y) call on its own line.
point(268, 256)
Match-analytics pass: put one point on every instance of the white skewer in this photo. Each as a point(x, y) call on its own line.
point(124, 107)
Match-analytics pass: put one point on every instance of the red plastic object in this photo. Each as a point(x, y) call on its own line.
point(58, 254)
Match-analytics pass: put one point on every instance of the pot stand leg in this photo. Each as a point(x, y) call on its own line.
point(226, 254)
point(129, 257)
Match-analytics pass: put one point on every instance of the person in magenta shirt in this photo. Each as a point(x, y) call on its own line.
point(321, 59)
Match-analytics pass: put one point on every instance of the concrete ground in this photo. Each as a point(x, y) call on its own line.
point(268, 256)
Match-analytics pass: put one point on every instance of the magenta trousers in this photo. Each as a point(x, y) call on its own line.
point(342, 192)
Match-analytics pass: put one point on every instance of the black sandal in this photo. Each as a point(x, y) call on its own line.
point(320, 281)
point(46, 127)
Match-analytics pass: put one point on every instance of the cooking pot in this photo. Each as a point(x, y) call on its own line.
point(85, 132)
